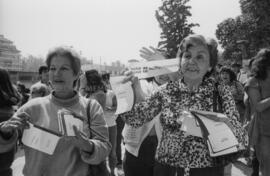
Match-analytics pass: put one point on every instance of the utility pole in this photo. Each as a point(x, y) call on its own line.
point(100, 64)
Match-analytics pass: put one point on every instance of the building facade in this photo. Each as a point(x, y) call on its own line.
point(9, 55)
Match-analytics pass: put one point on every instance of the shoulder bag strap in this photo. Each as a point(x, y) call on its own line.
point(88, 116)
point(91, 130)
point(217, 101)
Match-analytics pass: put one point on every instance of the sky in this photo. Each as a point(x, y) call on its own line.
point(102, 30)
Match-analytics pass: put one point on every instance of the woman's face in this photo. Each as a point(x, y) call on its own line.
point(62, 76)
point(225, 77)
point(195, 62)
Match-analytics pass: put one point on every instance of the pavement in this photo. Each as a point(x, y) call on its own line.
point(238, 168)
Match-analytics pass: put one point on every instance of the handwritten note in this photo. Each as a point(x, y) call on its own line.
point(40, 139)
point(131, 134)
point(124, 94)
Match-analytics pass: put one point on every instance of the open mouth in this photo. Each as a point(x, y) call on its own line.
point(192, 70)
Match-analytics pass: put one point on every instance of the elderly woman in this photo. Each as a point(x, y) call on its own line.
point(178, 152)
point(228, 77)
point(73, 154)
point(258, 90)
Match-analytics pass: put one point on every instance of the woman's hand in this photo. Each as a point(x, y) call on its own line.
point(151, 54)
point(18, 122)
point(81, 141)
point(139, 94)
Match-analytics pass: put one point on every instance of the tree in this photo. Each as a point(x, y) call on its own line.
point(172, 16)
point(32, 63)
point(230, 32)
point(253, 26)
point(258, 10)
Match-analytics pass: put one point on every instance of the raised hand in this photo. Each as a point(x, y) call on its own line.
point(151, 54)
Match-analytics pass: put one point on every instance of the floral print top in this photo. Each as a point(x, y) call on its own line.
point(176, 148)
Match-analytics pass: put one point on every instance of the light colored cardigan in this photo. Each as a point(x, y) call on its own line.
point(67, 159)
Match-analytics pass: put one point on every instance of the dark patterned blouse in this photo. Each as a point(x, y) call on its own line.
point(176, 148)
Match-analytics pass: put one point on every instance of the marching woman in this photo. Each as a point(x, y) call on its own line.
point(72, 154)
point(178, 152)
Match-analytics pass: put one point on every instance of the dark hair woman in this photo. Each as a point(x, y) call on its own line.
point(8, 98)
point(258, 90)
point(228, 77)
point(178, 152)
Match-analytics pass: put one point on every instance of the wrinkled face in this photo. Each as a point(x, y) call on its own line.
point(195, 61)
point(61, 75)
point(225, 77)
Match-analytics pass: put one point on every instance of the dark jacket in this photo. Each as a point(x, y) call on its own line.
point(6, 158)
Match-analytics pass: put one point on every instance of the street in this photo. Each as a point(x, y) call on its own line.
point(236, 169)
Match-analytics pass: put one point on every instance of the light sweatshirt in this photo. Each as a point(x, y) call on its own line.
point(67, 160)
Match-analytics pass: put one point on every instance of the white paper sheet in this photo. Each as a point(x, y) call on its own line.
point(223, 152)
point(131, 134)
point(40, 140)
point(154, 68)
point(66, 121)
point(133, 137)
point(69, 121)
point(211, 125)
point(124, 94)
point(189, 124)
point(221, 138)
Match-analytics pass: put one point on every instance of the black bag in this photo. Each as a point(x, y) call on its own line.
point(100, 169)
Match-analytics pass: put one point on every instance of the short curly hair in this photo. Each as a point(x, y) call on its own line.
point(68, 52)
point(261, 64)
point(210, 44)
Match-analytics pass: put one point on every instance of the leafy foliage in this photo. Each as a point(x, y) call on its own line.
point(253, 26)
point(172, 16)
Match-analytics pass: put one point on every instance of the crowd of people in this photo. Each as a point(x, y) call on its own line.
point(158, 146)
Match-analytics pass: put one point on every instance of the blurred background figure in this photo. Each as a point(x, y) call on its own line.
point(228, 77)
point(38, 90)
point(43, 73)
point(258, 91)
point(110, 118)
point(8, 98)
point(24, 93)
